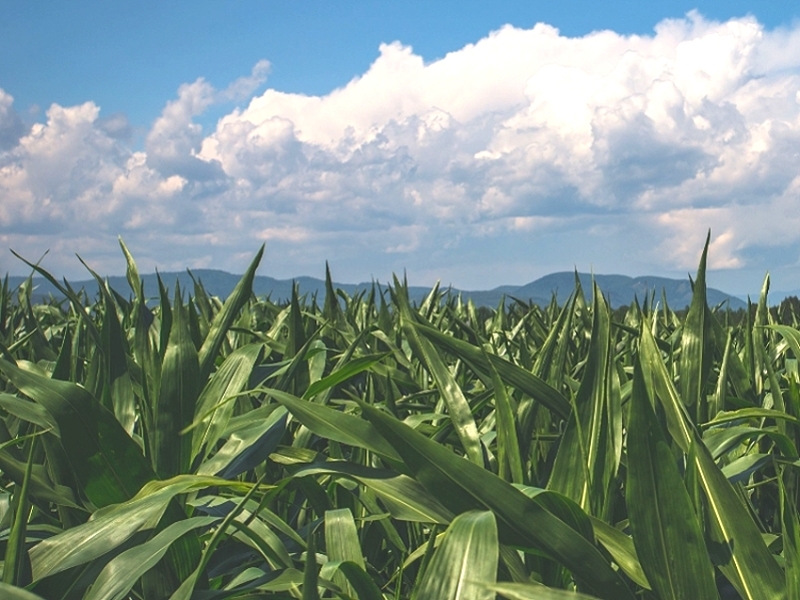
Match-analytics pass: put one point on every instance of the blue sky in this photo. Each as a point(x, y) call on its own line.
point(131, 57)
point(455, 139)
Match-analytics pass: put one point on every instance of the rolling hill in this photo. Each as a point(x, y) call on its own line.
point(619, 289)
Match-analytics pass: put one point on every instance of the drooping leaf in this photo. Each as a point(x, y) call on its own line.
point(462, 486)
point(510, 373)
point(247, 447)
point(404, 497)
point(335, 425)
point(622, 549)
point(123, 571)
point(111, 526)
point(106, 461)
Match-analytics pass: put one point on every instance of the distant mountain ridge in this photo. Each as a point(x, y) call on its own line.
point(620, 290)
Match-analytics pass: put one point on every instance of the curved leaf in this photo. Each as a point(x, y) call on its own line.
point(465, 562)
point(462, 486)
point(121, 573)
point(107, 462)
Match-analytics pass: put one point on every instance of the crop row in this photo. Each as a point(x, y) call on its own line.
point(178, 446)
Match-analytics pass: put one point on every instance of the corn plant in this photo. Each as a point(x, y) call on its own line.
point(169, 444)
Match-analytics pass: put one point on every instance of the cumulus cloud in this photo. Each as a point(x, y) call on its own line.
point(676, 132)
point(528, 147)
point(11, 126)
point(175, 138)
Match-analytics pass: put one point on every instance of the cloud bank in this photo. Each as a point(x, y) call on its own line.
point(520, 154)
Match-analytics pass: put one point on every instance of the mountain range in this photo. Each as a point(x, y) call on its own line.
point(620, 290)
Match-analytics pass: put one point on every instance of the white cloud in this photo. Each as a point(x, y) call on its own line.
point(175, 138)
point(58, 170)
point(11, 126)
point(244, 87)
point(657, 138)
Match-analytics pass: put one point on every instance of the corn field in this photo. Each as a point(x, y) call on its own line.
point(177, 446)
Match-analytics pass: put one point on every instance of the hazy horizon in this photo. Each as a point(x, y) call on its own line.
point(711, 279)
